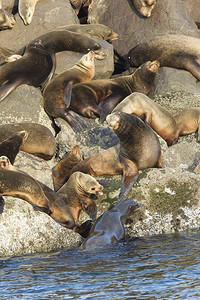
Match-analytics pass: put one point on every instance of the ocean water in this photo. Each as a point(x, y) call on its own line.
point(158, 267)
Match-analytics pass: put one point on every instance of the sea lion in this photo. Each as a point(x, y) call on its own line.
point(40, 140)
point(7, 20)
point(23, 186)
point(53, 94)
point(172, 50)
point(97, 98)
point(10, 146)
point(77, 193)
point(77, 4)
point(188, 121)
point(92, 30)
point(61, 172)
point(32, 69)
point(139, 147)
point(109, 227)
point(151, 113)
point(26, 9)
point(144, 7)
point(6, 164)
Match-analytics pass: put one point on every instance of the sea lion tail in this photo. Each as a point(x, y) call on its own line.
point(67, 93)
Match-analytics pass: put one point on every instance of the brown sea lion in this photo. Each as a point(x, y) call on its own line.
point(109, 227)
point(53, 95)
point(92, 30)
point(7, 20)
point(172, 50)
point(97, 98)
point(77, 4)
point(26, 9)
point(40, 140)
point(6, 164)
point(144, 7)
point(32, 69)
point(10, 147)
point(188, 121)
point(61, 172)
point(151, 113)
point(77, 193)
point(23, 186)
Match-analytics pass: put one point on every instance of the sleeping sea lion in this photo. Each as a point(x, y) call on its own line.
point(97, 98)
point(77, 193)
point(40, 140)
point(10, 147)
point(151, 113)
point(172, 50)
point(6, 164)
point(144, 7)
point(188, 121)
point(26, 9)
point(109, 227)
point(58, 89)
point(7, 20)
point(32, 69)
point(61, 172)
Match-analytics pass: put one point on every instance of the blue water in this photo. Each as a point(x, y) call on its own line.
point(159, 267)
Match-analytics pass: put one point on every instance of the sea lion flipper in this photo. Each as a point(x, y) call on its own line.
point(67, 92)
point(7, 88)
point(107, 106)
point(75, 121)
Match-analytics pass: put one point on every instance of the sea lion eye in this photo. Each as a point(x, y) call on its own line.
point(92, 188)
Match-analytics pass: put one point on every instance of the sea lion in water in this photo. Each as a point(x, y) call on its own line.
point(23, 186)
point(7, 20)
point(77, 192)
point(97, 98)
point(10, 147)
point(53, 94)
point(109, 227)
point(151, 113)
point(40, 140)
point(144, 7)
point(172, 50)
point(61, 172)
point(32, 69)
point(188, 121)
point(26, 9)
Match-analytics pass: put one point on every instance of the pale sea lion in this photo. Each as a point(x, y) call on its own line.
point(7, 20)
point(32, 69)
point(23, 186)
point(77, 193)
point(97, 98)
point(58, 89)
point(61, 172)
point(188, 121)
point(10, 147)
point(172, 50)
point(6, 164)
point(144, 7)
point(26, 9)
point(139, 147)
point(40, 140)
point(109, 227)
point(151, 113)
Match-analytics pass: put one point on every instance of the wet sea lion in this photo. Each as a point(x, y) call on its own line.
point(144, 7)
point(32, 69)
point(26, 9)
point(151, 113)
point(10, 146)
point(7, 20)
point(188, 121)
point(97, 98)
point(23, 186)
point(40, 140)
point(59, 88)
point(77, 193)
point(61, 172)
point(109, 227)
point(92, 30)
point(172, 50)
point(139, 147)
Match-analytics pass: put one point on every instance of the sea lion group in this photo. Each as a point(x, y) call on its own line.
point(121, 102)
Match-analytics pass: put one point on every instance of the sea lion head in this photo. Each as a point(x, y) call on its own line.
point(144, 7)
point(26, 12)
point(7, 20)
point(126, 207)
point(113, 120)
point(4, 162)
point(87, 60)
point(88, 184)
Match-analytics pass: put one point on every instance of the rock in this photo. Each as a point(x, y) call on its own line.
point(167, 17)
point(193, 7)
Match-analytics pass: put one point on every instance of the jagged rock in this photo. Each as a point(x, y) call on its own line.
point(167, 17)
